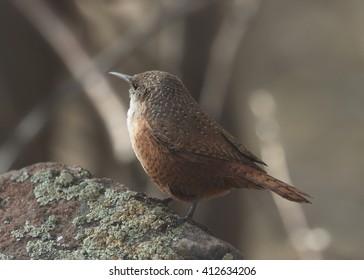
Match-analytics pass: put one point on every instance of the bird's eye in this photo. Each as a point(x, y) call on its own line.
point(134, 85)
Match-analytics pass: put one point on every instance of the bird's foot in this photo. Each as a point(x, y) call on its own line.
point(143, 197)
point(175, 222)
point(164, 201)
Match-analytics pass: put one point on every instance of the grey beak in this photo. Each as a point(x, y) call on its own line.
point(122, 76)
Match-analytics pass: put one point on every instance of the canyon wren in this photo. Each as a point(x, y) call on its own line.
point(188, 155)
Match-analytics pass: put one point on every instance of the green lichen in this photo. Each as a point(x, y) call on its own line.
point(20, 177)
point(42, 177)
point(126, 229)
point(42, 250)
point(228, 256)
point(90, 189)
point(82, 174)
point(64, 179)
point(17, 234)
point(43, 232)
point(6, 257)
point(45, 190)
point(53, 187)
point(110, 224)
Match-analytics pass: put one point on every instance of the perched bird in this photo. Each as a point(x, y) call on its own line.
point(184, 150)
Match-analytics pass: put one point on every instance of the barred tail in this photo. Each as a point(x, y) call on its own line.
point(286, 191)
point(260, 180)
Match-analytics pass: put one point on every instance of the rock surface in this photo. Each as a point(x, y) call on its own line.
point(55, 211)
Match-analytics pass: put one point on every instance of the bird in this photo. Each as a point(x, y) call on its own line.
point(185, 152)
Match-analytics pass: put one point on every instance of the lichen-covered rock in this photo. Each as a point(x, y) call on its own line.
point(55, 211)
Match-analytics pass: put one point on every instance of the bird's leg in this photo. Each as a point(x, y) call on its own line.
point(190, 213)
point(189, 216)
point(187, 219)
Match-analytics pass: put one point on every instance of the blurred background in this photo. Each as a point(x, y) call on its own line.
point(286, 77)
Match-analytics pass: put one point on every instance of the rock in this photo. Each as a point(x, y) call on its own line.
point(55, 211)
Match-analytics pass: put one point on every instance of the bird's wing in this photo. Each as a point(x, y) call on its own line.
point(239, 147)
point(218, 144)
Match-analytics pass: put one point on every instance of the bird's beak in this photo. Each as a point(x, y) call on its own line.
point(122, 76)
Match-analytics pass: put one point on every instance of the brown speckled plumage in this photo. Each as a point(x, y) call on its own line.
point(186, 153)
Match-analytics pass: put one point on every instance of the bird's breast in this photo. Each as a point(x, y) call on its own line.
point(139, 132)
point(135, 118)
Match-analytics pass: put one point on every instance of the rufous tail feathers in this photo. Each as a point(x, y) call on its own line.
point(260, 180)
point(286, 191)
